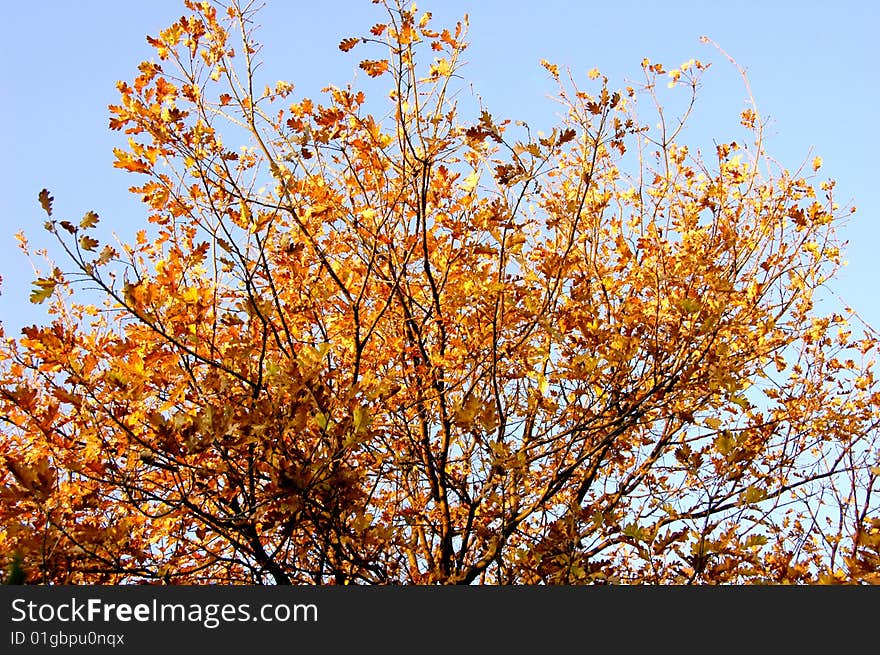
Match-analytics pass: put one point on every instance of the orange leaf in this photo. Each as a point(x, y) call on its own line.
point(374, 68)
point(128, 162)
point(347, 44)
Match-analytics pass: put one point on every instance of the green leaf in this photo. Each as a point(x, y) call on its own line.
point(724, 443)
point(741, 401)
point(89, 220)
point(637, 533)
point(44, 289)
point(322, 420)
point(16, 575)
point(755, 540)
point(361, 419)
point(689, 305)
point(753, 494)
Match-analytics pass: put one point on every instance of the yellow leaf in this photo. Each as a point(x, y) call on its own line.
point(553, 68)
point(543, 385)
point(322, 420)
point(471, 182)
point(89, 220)
point(44, 289)
point(361, 419)
point(464, 417)
point(440, 68)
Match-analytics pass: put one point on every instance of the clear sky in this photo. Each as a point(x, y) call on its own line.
point(812, 66)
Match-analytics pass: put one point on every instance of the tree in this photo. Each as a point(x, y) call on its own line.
point(432, 347)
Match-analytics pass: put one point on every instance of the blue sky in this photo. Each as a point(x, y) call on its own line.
point(812, 67)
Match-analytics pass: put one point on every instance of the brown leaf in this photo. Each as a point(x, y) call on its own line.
point(46, 201)
point(88, 243)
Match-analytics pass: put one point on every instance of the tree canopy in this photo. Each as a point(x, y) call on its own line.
point(404, 339)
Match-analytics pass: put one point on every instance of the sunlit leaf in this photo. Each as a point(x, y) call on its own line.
point(43, 289)
point(374, 68)
point(89, 220)
point(395, 335)
point(347, 44)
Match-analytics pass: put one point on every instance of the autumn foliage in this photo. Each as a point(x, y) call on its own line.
point(428, 345)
